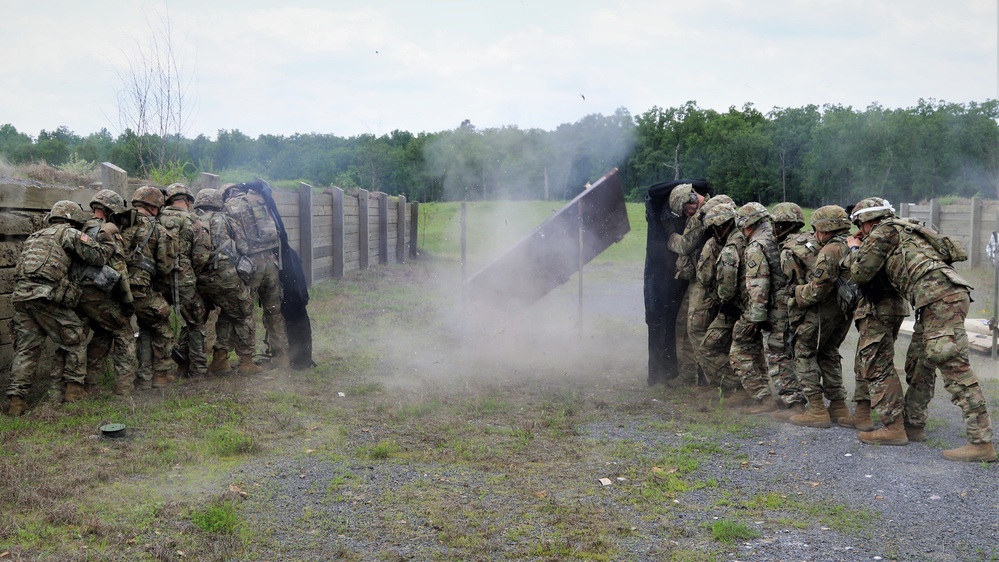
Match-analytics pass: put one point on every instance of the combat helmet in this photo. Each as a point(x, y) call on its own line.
point(788, 212)
point(231, 190)
point(208, 199)
point(680, 196)
point(175, 190)
point(870, 209)
point(830, 218)
point(714, 202)
point(148, 196)
point(750, 214)
point(69, 211)
point(109, 200)
point(719, 214)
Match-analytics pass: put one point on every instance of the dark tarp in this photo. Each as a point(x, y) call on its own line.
point(663, 291)
point(294, 290)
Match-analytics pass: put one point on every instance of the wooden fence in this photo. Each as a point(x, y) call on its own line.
point(971, 222)
point(332, 230)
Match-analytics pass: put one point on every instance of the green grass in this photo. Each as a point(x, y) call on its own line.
point(731, 532)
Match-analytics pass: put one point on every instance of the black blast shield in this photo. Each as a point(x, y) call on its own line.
point(550, 256)
point(294, 290)
point(663, 291)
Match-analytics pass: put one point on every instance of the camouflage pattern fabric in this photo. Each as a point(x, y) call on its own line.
point(44, 297)
point(703, 306)
point(747, 351)
point(193, 251)
point(940, 341)
point(823, 327)
point(254, 229)
point(687, 245)
point(33, 321)
point(265, 286)
point(874, 364)
point(112, 339)
point(717, 343)
point(220, 285)
point(715, 348)
point(149, 245)
point(686, 361)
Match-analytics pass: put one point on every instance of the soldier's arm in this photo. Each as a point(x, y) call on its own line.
point(822, 281)
point(89, 250)
point(873, 253)
point(757, 283)
point(706, 263)
point(694, 235)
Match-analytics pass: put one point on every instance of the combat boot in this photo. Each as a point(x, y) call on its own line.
point(144, 384)
point(220, 363)
point(915, 434)
point(161, 380)
point(16, 407)
point(815, 416)
point(972, 452)
point(247, 366)
point(74, 392)
point(765, 405)
point(861, 418)
point(737, 397)
point(891, 434)
point(838, 409)
point(786, 414)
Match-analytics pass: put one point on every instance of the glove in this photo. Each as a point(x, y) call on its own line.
point(765, 326)
point(128, 309)
point(729, 309)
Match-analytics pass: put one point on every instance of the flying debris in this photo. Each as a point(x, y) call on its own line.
point(582, 96)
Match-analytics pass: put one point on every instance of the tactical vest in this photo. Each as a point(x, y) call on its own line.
point(778, 281)
point(43, 259)
point(911, 259)
point(797, 257)
point(223, 247)
point(140, 240)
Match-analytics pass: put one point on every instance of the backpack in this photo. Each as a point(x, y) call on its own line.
point(950, 250)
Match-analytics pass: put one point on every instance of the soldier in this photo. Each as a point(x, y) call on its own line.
point(788, 220)
point(721, 280)
point(107, 299)
point(686, 203)
point(221, 286)
point(701, 292)
point(759, 270)
point(878, 318)
point(916, 262)
point(824, 325)
point(193, 250)
point(45, 295)
point(256, 235)
point(149, 253)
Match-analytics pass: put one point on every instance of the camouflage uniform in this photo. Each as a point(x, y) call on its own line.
point(149, 253)
point(941, 300)
point(878, 323)
point(787, 219)
point(759, 270)
point(686, 246)
point(220, 284)
point(703, 305)
point(824, 325)
point(109, 311)
point(193, 250)
point(44, 297)
point(717, 341)
point(256, 236)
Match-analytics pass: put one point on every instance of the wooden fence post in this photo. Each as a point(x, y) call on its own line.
point(935, 212)
point(975, 237)
point(115, 179)
point(338, 227)
point(903, 210)
point(414, 223)
point(400, 229)
point(305, 229)
point(362, 228)
point(382, 228)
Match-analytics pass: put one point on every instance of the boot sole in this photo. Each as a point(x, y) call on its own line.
point(817, 425)
point(894, 442)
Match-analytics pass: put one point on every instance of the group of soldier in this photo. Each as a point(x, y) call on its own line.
point(771, 302)
point(103, 290)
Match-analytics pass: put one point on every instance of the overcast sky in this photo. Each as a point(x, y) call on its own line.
point(351, 68)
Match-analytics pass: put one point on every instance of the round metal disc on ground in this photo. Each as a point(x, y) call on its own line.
point(113, 430)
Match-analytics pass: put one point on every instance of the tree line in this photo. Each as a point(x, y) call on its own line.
point(810, 155)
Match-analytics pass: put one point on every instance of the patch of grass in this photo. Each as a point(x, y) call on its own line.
point(220, 518)
point(731, 532)
point(383, 450)
point(229, 440)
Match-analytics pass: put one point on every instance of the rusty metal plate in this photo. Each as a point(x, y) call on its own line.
point(550, 256)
